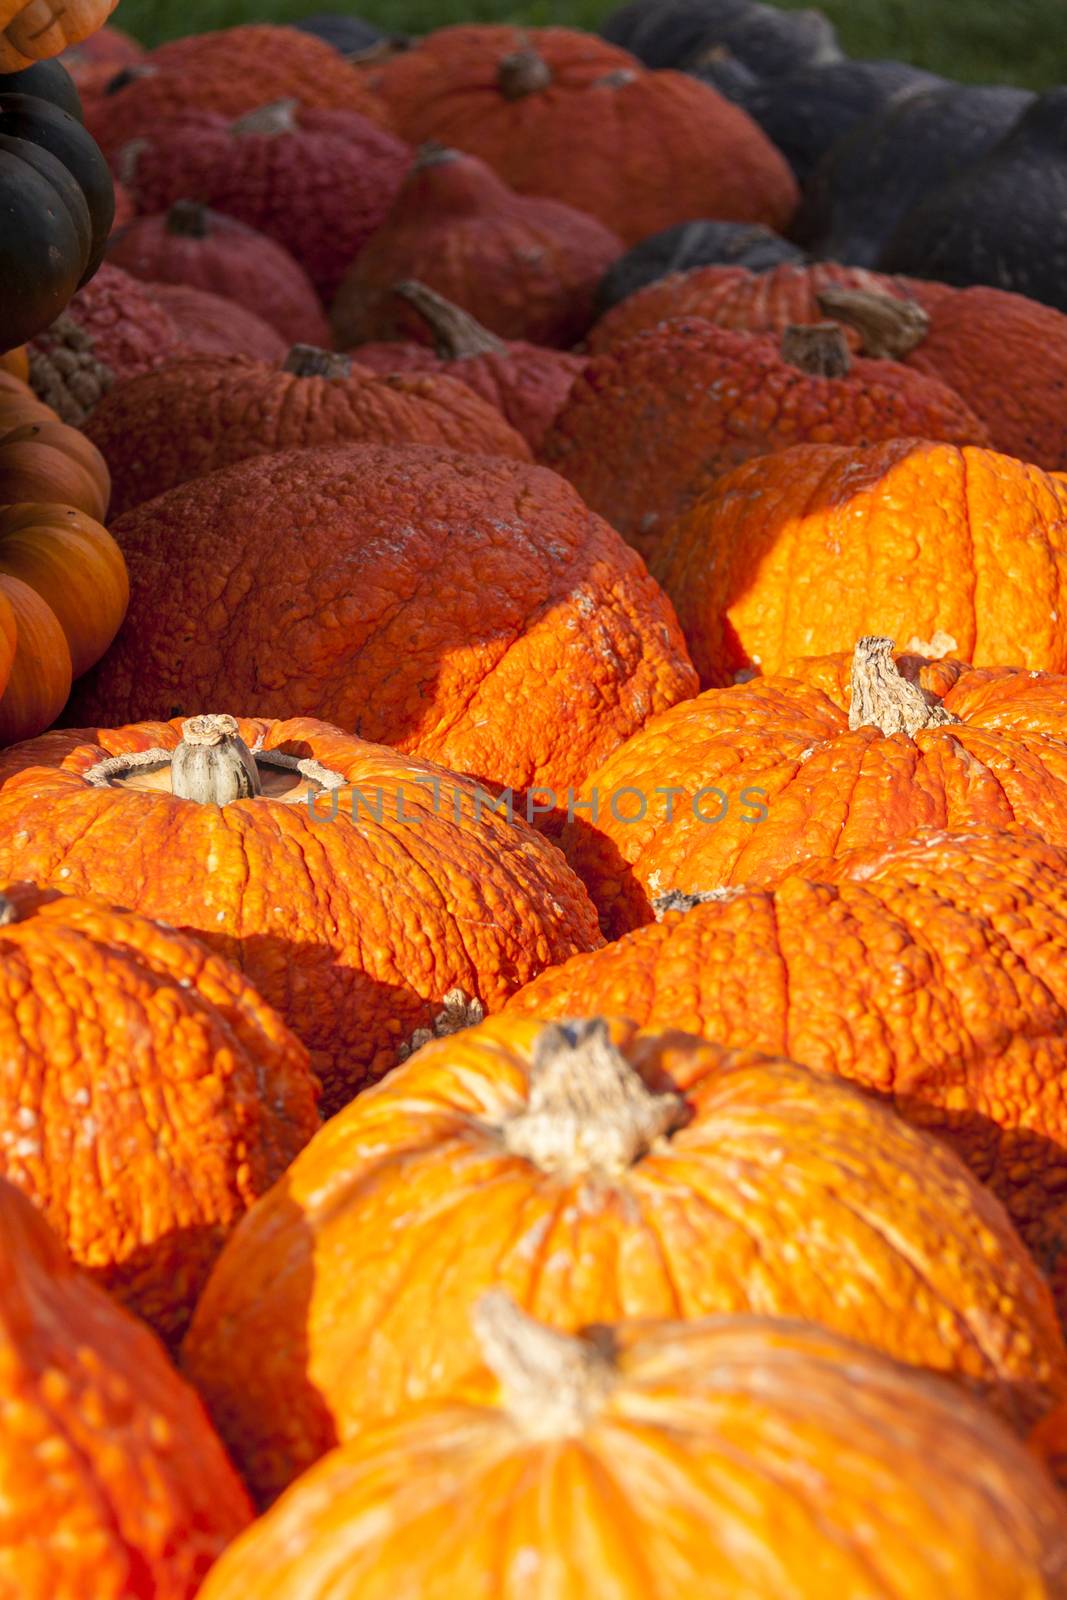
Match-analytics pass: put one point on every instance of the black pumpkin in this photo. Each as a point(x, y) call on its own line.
point(45, 239)
point(723, 71)
point(351, 36)
point(693, 244)
point(23, 116)
point(1003, 221)
point(47, 80)
point(870, 180)
point(683, 33)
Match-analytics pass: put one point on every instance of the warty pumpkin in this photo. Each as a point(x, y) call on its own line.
point(801, 553)
point(391, 901)
point(568, 117)
point(527, 268)
point(36, 30)
point(693, 244)
point(468, 609)
point(149, 1095)
point(202, 413)
point(203, 249)
point(655, 420)
point(742, 785)
point(594, 1171)
point(700, 1460)
point(210, 325)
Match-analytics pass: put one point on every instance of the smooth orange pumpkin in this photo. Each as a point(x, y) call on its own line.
point(46, 460)
point(16, 363)
point(75, 566)
point(39, 681)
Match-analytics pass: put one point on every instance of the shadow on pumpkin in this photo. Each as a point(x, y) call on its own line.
point(161, 1281)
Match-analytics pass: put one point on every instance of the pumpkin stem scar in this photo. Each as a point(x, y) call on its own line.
point(308, 361)
point(456, 333)
point(459, 1010)
point(553, 1383)
point(277, 117)
point(819, 349)
point(883, 699)
point(212, 765)
point(521, 73)
point(588, 1109)
point(889, 328)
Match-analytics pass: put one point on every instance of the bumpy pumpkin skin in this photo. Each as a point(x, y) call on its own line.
point(782, 746)
point(639, 150)
point(355, 934)
point(911, 1253)
point(144, 1139)
point(468, 609)
point(654, 421)
point(802, 553)
point(204, 413)
point(114, 1484)
point(213, 326)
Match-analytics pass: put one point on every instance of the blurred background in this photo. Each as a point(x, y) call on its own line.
point(1002, 41)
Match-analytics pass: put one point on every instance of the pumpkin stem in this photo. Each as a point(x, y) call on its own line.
point(9, 912)
point(888, 328)
point(308, 361)
point(588, 1109)
point(212, 764)
point(188, 219)
point(818, 348)
point(521, 73)
point(553, 1383)
point(433, 154)
point(381, 50)
point(456, 333)
point(687, 900)
point(618, 78)
point(883, 698)
point(277, 117)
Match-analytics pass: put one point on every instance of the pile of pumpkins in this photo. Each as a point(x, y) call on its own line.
point(533, 846)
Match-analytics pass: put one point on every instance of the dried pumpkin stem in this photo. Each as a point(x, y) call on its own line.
point(8, 912)
point(523, 72)
point(456, 334)
point(818, 348)
point(188, 219)
point(212, 765)
point(889, 328)
point(883, 698)
point(553, 1383)
point(277, 117)
point(588, 1109)
point(308, 361)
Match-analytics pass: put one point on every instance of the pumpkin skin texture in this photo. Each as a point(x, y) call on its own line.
point(16, 364)
point(782, 747)
point(204, 413)
point(558, 114)
point(105, 1446)
point(561, 649)
point(74, 564)
point(144, 1206)
point(317, 182)
point(660, 1426)
point(947, 998)
point(693, 244)
point(203, 249)
point(46, 460)
point(41, 671)
point(828, 518)
point(654, 421)
point(36, 30)
point(582, 1224)
point(212, 326)
point(357, 935)
point(527, 268)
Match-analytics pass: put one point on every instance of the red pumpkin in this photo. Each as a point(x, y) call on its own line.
point(212, 326)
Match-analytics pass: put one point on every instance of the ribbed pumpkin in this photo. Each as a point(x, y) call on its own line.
point(16, 363)
point(42, 458)
point(742, 785)
point(362, 916)
point(527, 382)
point(527, 268)
point(318, 182)
point(204, 412)
point(801, 553)
point(114, 1483)
point(468, 609)
point(74, 565)
point(738, 1455)
point(203, 249)
point(210, 325)
point(594, 1171)
point(655, 420)
point(559, 114)
point(37, 30)
point(149, 1095)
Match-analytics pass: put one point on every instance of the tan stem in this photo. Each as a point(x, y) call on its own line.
point(433, 154)
point(889, 328)
point(883, 698)
point(212, 765)
point(521, 73)
point(818, 348)
point(553, 1384)
point(8, 912)
point(588, 1110)
point(277, 117)
point(617, 79)
point(687, 900)
point(308, 361)
point(456, 334)
point(126, 162)
point(188, 219)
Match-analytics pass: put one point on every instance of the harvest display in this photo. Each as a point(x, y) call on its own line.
point(533, 815)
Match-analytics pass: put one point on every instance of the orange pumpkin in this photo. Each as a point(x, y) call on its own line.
point(46, 460)
point(75, 566)
point(16, 363)
point(38, 683)
point(36, 30)
point(595, 1171)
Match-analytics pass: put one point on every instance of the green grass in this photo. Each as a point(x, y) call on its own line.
point(980, 41)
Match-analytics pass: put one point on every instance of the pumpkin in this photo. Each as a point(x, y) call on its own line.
point(34, 30)
point(16, 363)
point(693, 244)
point(46, 240)
point(686, 33)
point(929, 971)
point(738, 1454)
point(111, 1473)
point(561, 115)
point(203, 413)
point(210, 325)
point(39, 681)
point(595, 1171)
point(528, 383)
point(653, 422)
point(357, 40)
point(76, 568)
point(317, 182)
point(28, 119)
point(875, 538)
point(528, 268)
point(468, 609)
point(190, 244)
point(1048, 1442)
point(107, 47)
point(433, 906)
point(47, 460)
point(229, 71)
point(45, 80)
point(143, 1140)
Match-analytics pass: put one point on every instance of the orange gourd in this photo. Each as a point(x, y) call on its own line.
point(16, 363)
point(45, 460)
point(75, 566)
point(36, 30)
point(39, 681)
